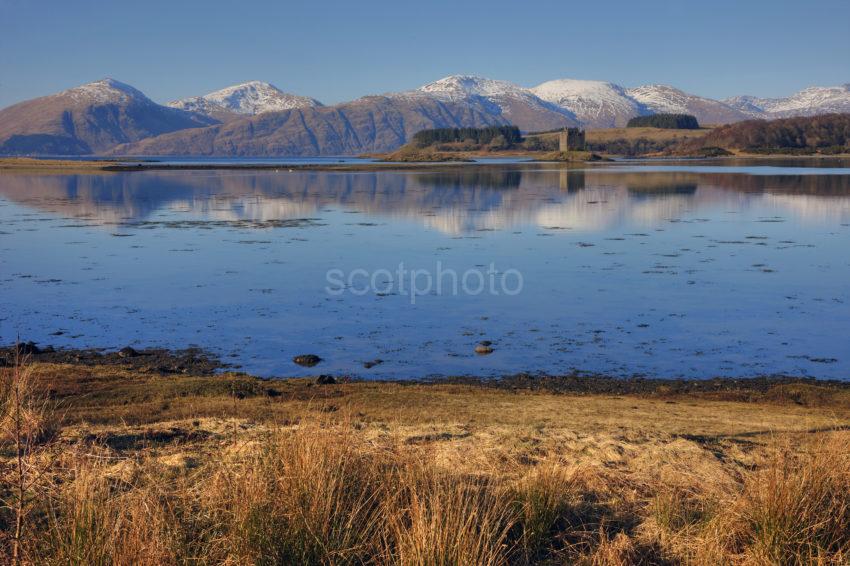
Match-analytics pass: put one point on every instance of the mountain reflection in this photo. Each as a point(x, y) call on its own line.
point(455, 201)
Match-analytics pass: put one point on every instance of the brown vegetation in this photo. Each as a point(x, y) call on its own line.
point(827, 134)
point(152, 469)
point(414, 154)
point(628, 142)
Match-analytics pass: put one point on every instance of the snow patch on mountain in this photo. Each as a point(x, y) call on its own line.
point(808, 102)
point(462, 86)
point(752, 106)
point(104, 91)
point(822, 99)
point(595, 103)
point(251, 98)
point(662, 98)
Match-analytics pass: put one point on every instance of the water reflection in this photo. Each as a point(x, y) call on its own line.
point(453, 201)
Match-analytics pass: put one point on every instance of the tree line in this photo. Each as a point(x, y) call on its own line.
point(666, 121)
point(479, 136)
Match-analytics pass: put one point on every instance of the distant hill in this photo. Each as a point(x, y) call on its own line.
point(245, 99)
point(808, 102)
point(91, 118)
point(829, 133)
point(665, 99)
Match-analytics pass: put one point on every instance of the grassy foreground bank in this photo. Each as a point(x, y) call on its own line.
point(109, 464)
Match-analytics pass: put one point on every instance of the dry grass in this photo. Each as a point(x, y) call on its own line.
point(631, 134)
point(654, 134)
point(231, 470)
point(793, 509)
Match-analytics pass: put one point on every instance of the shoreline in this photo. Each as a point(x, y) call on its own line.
point(197, 362)
point(117, 165)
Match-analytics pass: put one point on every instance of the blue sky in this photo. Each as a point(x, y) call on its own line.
point(337, 51)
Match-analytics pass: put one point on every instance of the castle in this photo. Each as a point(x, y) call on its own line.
point(571, 139)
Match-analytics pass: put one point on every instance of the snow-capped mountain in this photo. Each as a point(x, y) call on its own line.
point(596, 104)
point(808, 102)
point(89, 118)
point(461, 86)
point(250, 99)
point(104, 91)
point(667, 99)
point(515, 104)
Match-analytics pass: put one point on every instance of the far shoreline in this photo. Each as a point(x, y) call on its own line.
point(153, 163)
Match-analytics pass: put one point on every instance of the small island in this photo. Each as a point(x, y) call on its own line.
point(466, 144)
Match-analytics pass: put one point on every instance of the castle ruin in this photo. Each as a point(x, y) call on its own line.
point(571, 139)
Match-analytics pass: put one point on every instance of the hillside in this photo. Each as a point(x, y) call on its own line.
point(596, 104)
point(665, 99)
point(91, 118)
point(370, 124)
point(829, 133)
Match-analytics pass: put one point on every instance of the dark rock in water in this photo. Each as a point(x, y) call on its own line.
point(128, 352)
point(372, 363)
point(486, 343)
point(307, 360)
point(326, 380)
point(483, 349)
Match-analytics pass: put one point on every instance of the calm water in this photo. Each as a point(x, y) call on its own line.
point(674, 270)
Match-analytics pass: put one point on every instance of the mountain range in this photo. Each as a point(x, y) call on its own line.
point(258, 119)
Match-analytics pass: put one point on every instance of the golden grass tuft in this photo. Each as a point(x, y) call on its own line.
point(311, 496)
point(93, 519)
point(441, 519)
point(794, 509)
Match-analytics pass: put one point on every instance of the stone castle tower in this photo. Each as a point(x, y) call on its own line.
point(571, 139)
